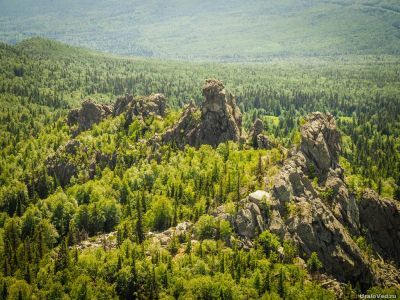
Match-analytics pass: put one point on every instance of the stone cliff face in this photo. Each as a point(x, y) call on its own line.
point(220, 119)
point(69, 160)
point(60, 164)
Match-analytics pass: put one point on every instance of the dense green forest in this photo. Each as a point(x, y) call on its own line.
point(225, 30)
point(43, 221)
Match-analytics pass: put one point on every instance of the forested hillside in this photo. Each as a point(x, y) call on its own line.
point(101, 199)
point(212, 30)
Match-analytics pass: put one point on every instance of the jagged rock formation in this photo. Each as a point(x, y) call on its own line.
point(165, 237)
point(257, 139)
point(184, 131)
point(249, 221)
point(320, 213)
point(320, 143)
point(154, 104)
point(311, 205)
point(92, 113)
point(89, 114)
point(220, 119)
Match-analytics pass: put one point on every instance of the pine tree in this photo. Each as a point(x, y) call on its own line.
point(237, 188)
point(4, 291)
point(380, 186)
point(281, 284)
point(139, 222)
point(62, 260)
point(259, 168)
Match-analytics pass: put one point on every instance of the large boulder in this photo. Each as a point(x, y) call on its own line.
point(89, 114)
point(220, 119)
point(249, 221)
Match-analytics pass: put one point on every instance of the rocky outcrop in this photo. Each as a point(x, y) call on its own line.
point(220, 119)
point(154, 104)
point(317, 216)
point(92, 113)
point(311, 205)
point(101, 160)
point(381, 219)
point(257, 139)
point(165, 237)
point(89, 114)
point(248, 222)
point(184, 131)
point(320, 143)
point(263, 142)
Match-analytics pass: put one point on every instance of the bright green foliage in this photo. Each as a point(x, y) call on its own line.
point(208, 227)
point(313, 263)
point(269, 242)
point(43, 221)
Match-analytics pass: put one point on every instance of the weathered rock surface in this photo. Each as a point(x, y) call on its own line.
point(258, 128)
point(320, 142)
point(107, 241)
point(381, 218)
point(166, 236)
point(102, 160)
point(257, 139)
point(263, 142)
point(184, 130)
point(154, 104)
point(319, 214)
point(311, 205)
point(220, 119)
point(248, 222)
point(89, 114)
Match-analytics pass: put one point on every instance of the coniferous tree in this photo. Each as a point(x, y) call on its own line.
point(62, 261)
point(139, 222)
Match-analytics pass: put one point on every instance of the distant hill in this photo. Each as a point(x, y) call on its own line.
point(222, 30)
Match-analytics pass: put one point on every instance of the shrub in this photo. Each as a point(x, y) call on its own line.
point(313, 263)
